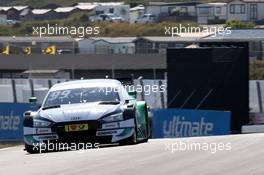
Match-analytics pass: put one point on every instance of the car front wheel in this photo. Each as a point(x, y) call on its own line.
point(30, 149)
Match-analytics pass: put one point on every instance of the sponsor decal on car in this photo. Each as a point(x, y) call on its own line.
point(110, 125)
point(105, 133)
point(76, 127)
point(43, 130)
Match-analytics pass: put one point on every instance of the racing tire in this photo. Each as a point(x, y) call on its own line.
point(30, 149)
point(147, 126)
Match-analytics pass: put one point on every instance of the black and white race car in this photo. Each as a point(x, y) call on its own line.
point(94, 111)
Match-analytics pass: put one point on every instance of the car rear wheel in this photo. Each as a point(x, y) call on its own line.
point(148, 127)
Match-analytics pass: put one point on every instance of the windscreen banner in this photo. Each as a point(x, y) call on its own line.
point(169, 123)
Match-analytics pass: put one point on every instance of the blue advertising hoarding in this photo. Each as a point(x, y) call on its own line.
point(11, 120)
point(168, 123)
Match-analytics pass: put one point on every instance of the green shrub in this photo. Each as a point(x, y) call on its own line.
point(235, 24)
point(106, 28)
point(256, 70)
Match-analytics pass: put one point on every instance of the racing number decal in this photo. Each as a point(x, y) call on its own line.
point(59, 95)
point(64, 94)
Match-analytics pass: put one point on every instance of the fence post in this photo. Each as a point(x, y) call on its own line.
point(143, 92)
point(32, 87)
point(259, 96)
point(161, 95)
point(49, 83)
point(14, 90)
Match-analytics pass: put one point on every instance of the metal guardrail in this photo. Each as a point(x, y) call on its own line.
point(20, 90)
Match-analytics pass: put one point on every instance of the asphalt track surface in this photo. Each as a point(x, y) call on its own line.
point(245, 158)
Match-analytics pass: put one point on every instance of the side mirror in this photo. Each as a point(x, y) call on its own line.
point(133, 94)
point(148, 108)
point(32, 100)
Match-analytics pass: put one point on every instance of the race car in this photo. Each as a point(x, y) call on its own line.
point(81, 111)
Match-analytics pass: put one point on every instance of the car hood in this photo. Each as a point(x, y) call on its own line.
point(79, 112)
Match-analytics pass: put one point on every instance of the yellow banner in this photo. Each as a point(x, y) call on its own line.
point(6, 50)
point(51, 50)
point(27, 50)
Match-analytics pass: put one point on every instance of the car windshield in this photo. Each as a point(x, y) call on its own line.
point(82, 95)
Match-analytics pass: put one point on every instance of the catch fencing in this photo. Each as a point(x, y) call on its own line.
point(20, 90)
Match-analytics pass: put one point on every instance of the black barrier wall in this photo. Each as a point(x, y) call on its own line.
point(211, 79)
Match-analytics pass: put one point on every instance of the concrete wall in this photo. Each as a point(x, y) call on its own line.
point(83, 61)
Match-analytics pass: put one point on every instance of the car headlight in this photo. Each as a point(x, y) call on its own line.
point(41, 123)
point(113, 118)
